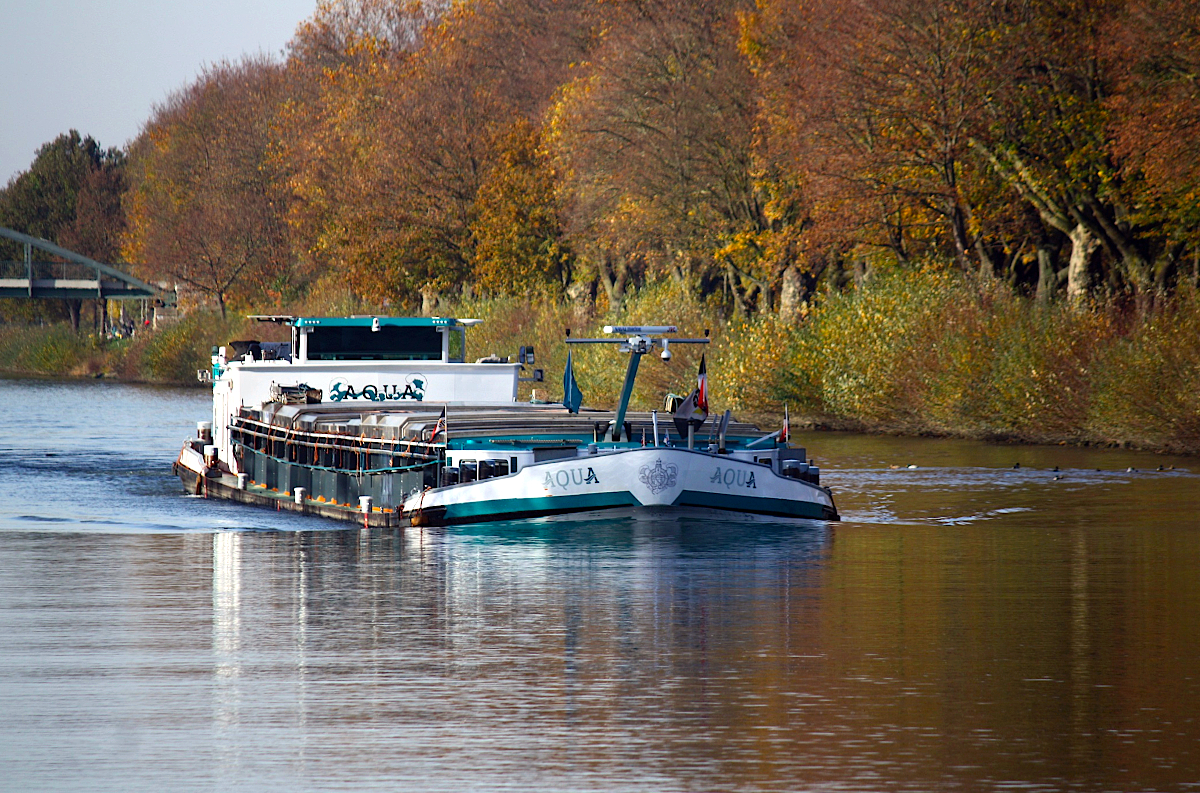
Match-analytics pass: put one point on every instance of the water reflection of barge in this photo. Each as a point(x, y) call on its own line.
point(381, 420)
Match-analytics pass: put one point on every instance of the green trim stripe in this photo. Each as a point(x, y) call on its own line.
point(496, 509)
point(506, 506)
point(758, 505)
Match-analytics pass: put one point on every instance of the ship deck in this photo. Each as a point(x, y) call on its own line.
point(414, 423)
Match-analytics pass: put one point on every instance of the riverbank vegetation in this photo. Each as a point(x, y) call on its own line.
point(913, 352)
point(974, 219)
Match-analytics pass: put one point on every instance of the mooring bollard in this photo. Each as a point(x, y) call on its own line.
point(243, 481)
point(204, 431)
point(210, 456)
point(299, 495)
point(364, 504)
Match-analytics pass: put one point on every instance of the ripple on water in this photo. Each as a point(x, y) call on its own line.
point(968, 626)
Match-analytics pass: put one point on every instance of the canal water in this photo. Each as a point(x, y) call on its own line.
point(970, 625)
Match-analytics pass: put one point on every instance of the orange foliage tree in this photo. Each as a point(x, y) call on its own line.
point(205, 205)
point(747, 151)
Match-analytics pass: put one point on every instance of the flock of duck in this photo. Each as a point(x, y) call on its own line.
point(1058, 474)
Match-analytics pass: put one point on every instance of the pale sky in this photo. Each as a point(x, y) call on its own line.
point(100, 66)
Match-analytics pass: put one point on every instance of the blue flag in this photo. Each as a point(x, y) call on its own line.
point(572, 396)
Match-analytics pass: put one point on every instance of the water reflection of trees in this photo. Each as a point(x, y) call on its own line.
point(750, 653)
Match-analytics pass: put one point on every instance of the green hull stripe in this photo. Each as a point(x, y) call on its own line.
point(688, 498)
point(761, 506)
point(504, 506)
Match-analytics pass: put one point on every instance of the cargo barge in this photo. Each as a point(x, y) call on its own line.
point(383, 421)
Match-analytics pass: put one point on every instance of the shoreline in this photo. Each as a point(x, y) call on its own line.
point(994, 438)
point(911, 356)
point(108, 377)
point(799, 423)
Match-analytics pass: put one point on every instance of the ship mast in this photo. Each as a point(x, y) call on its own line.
point(639, 340)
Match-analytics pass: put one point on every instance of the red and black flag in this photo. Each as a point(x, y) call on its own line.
point(439, 428)
point(694, 409)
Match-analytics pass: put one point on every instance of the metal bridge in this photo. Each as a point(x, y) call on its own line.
point(76, 277)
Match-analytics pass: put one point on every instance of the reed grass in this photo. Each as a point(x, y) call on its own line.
point(53, 350)
point(912, 352)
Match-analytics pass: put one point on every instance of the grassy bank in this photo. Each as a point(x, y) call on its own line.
point(919, 353)
point(939, 354)
point(915, 353)
point(170, 355)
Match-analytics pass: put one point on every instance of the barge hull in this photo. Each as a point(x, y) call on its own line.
point(463, 504)
point(198, 481)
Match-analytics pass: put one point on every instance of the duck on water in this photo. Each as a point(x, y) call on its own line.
point(382, 420)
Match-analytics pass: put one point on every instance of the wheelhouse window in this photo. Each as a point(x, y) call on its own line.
point(389, 343)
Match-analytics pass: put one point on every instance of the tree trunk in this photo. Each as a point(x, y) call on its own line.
point(1047, 278)
point(612, 278)
point(862, 272)
point(962, 242)
point(429, 301)
point(75, 308)
point(1083, 244)
point(790, 295)
point(581, 293)
point(1136, 268)
point(766, 299)
point(987, 268)
point(681, 267)
point(739, 305)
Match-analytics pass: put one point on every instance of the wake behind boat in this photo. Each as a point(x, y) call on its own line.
point(381, 420)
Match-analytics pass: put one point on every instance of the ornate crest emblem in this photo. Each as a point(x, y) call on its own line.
point(659, 477)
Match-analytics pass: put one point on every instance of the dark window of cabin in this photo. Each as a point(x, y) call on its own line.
point(360, 343)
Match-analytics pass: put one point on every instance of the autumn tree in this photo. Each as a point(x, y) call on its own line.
point(327, 40)
point(207, 203)
point(1154, 52)
point(875, 103)
point(98, 226)
point(516, 227)
point(71, 196)
point(402, 134)
point(1049, 139)
point(413, 149)
point(656, 136)
point(399, 143)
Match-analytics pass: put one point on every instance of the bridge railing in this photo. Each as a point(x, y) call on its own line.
point(67, 275)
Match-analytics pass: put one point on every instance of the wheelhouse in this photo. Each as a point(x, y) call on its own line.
point(380, 339)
